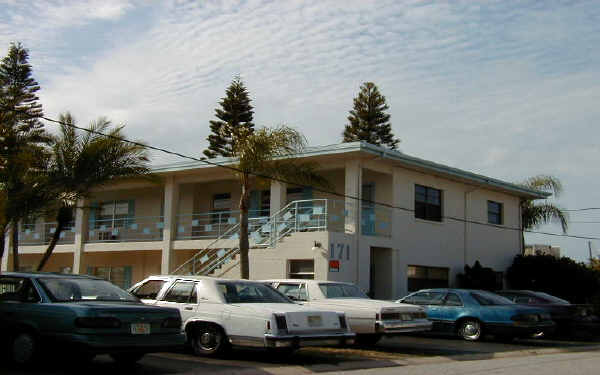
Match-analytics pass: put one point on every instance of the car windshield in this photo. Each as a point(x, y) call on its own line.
point(490, 299)
point(242, 292)
point(80, 289)
point(341, 291)
point(552, 299)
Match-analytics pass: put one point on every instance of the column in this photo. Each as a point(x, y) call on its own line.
point(352, 189)
point(171, 204)
point(278, 197)
point(399, 274)
point(4, 265)
point(81, 229)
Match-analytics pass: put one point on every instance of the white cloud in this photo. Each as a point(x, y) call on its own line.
point(503, 88)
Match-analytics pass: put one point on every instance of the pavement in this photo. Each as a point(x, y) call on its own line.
point(394, 354)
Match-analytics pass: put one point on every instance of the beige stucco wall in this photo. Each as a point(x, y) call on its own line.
point(148, 201)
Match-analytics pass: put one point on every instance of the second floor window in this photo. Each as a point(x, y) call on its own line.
point(428, 203)
point(221, 208)
point(114, 214)
point(494, 212)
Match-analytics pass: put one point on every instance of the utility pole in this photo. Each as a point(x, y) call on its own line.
point(590, 248)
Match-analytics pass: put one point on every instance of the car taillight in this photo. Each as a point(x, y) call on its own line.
point(98, 322)
point(281, 323)
point(343, 324)
point(171, 322)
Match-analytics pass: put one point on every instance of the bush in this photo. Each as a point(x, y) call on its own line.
point(561, 277)
point(477, 277)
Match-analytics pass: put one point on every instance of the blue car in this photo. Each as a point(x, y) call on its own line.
point(471, 313)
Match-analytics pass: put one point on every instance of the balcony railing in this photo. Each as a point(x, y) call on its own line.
point(210, 225)
point(376, 220)
point(41, 234)
point(130, 229)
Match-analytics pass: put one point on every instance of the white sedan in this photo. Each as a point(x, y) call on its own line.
point(218, 313)
point(370, 319)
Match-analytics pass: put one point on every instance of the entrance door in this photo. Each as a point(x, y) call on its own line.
point(381, 273)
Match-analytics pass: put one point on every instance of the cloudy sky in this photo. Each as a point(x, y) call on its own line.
point(509, 89)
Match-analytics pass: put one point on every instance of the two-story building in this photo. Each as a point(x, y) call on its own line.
point(432, 220)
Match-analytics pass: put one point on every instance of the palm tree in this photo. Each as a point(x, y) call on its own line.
point(84, 160)
point(535, 214)
point(268, 152)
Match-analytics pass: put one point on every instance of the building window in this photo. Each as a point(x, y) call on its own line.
point(422, 277)
point(301, 269)
point(494, 212)
point(120, 276)
point(114, 214)
point(428, 203)
point(265, 203)
point(221, 206)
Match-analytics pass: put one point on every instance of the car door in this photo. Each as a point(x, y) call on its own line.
point(430, 300)
point(20, 304)
point(183, 296)
point(449, 311)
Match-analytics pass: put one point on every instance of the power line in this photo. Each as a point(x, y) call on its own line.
point(229, 167)
point(583, 209)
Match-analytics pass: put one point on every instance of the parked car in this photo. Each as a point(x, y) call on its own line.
point(218, 313)
point(370, 319)
point(82, 314)
point(570, 319)
point(471, 313)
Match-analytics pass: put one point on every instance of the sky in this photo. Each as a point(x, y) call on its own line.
point(508, 89)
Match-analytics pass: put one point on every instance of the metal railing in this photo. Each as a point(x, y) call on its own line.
point(138, 228)
point(42, 233)
point(208, 225)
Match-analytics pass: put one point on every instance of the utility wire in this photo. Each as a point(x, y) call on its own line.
point(342, 195)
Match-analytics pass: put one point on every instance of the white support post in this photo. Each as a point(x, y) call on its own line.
point(278, 197)
point(81, 228)
point(170, 221)
point(4, 266)
point(352, 189)
point(399, 274)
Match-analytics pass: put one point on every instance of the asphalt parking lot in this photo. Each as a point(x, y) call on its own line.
point(399, 351)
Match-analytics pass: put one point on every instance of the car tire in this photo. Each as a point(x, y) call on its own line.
point(209, 340)
point(368, 339)
point(470, 330)
point(127, 358)
point(24, 348)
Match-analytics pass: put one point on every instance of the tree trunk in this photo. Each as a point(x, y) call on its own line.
point(15, 245)
point(244, 244)
point(2, 240)
point(60, 225)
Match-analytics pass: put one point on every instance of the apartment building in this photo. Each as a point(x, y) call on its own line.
point(433, 220)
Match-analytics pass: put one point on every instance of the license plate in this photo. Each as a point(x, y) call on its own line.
point(406, 317)
point(140, 329)
point(314, 321)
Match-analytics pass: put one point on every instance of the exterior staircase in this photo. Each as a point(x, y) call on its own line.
point(264, 232)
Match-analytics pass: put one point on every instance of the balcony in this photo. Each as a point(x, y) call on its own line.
point(130, 229)
point(41, 234)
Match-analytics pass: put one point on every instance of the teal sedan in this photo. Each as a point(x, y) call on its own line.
point(471, 313)
point(83, 315)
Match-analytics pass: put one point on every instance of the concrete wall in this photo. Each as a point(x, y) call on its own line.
point(148, 201)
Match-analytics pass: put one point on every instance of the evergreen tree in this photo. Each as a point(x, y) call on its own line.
point(368, 121)
point(23, 141)
point(234, 115)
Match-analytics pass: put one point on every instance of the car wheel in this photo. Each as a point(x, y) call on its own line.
point(368, 340)
point(470, 330)
point(127, 358)
point(209, 340)
point(24, 348)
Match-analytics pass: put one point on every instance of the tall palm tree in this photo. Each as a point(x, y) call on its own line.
point(84, 160)
point(268, 152)
point(534, 214)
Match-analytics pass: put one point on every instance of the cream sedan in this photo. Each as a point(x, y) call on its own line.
point(370, 319)
point(219, 313)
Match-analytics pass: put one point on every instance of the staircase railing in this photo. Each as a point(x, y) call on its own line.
point(296, 216)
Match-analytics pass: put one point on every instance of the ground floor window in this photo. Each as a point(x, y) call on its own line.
point(423, 277)
point(301, 269)
point(120, 276)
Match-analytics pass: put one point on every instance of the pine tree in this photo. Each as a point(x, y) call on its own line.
point(368, 121)
point(235, 113)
